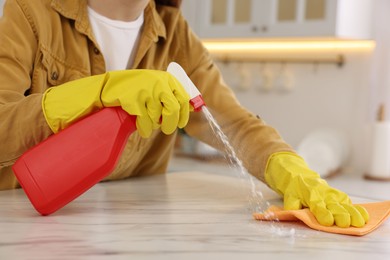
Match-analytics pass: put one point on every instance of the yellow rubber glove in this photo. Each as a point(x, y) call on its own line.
point(289, 175)
point(155, 97)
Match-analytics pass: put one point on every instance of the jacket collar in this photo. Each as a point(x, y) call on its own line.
point(77, 10)
point(153, 22)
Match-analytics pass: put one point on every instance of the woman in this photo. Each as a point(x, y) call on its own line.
point(61, 60)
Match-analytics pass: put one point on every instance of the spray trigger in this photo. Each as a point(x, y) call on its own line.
point(178, 72)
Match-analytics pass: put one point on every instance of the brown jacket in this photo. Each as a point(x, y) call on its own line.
point(45, 43)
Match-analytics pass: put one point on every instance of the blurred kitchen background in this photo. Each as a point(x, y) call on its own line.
point(314, 69)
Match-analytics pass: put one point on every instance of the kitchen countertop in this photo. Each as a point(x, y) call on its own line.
point(179, 215)
point(347, 181)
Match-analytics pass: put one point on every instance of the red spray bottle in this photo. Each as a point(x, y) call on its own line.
point(65, 165)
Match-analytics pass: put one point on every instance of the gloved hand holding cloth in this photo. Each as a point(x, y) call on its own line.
point(156, 97)
point(289, 175)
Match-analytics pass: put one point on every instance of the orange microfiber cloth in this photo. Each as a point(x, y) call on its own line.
point(379, 211)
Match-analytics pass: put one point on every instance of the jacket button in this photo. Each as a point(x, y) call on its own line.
point(54, 75)
point(96, 50)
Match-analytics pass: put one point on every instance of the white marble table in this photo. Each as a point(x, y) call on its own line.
point(180, 215)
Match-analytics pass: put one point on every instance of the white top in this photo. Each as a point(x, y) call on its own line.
point(117, 40)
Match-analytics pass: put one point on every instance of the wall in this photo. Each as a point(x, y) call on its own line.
point(322, 96)
point(1, 7)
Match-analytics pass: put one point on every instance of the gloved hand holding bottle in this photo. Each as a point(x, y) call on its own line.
point(156, 97)
point(289, 175)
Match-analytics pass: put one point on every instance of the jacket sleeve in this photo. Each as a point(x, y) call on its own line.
point(21, 118)
point(251, 138)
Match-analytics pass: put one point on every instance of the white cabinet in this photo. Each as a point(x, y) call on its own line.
point(279, 18)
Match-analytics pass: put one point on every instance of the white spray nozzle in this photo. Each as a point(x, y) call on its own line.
point(178, 72)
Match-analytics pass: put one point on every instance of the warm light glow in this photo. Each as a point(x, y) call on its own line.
point(269, 46)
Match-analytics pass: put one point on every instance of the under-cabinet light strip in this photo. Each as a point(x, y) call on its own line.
point(250, 46)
